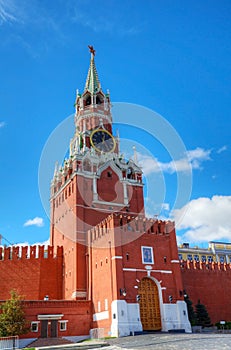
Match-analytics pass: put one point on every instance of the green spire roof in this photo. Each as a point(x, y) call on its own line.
point(92, 82)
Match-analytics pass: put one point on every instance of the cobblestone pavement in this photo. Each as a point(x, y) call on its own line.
point(172, 341)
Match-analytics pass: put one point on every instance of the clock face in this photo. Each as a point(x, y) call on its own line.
point(102, 140)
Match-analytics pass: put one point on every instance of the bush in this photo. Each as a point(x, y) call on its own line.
point(12, 317)
point(227, 325)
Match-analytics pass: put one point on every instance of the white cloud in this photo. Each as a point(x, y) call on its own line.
point(155, 210)
point(106, 21)
point(25, 244)
point(152, 209)
point(192, 160)
point(149, 164)
point(7, 11)
point(45, 243)
point(2, 124)
point(34, 222)
point(197, 156)
point(165, 206)
point(222, 149)
point(205, 219)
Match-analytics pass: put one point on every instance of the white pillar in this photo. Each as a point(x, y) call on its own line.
point(95, 194)
point(125, 193)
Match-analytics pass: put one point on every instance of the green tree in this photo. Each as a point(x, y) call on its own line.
point(12, 317)
point(191, 313)
point(202, 316)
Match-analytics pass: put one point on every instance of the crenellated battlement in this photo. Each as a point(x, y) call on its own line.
point(143, 224)
point(34, 271)
point(29, 252)
point(208, 266)
point(130, 223)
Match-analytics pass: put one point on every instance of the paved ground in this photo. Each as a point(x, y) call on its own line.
point(172, 342)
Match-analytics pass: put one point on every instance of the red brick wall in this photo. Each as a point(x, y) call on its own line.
point(77, 313)
point(211, 284)
point(32, 277)
point(110, 189)
point(136, 199)
point(102, 286)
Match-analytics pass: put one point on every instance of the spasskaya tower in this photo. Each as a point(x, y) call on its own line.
point(109, 268)
point(93, 182)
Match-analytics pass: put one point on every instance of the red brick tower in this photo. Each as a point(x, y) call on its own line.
point(93, 182)
point(97, 215)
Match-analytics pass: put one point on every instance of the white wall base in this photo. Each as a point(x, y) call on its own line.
point(175, 316)
point(125, 318)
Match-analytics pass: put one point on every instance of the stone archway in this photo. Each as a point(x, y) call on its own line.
point(149, 305)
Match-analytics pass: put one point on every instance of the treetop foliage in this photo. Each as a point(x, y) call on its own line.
point(12, 316)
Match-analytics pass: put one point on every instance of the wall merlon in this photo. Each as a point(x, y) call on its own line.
point(50, 252)
point(32, 252)
point(41, 251)
point(209, 266)
point(29, 252)
point(59, 252)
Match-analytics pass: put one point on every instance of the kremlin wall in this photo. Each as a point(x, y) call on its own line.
point(36, 272)
point(209, 283)
point(32, 270)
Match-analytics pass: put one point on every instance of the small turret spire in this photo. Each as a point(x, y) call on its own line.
point(92, 82)
point(56, 168)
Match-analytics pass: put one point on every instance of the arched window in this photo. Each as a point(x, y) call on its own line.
point(98, 100)
point(88, 100)
point(130, 173)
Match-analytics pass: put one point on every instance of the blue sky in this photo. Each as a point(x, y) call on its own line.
point(172, 57)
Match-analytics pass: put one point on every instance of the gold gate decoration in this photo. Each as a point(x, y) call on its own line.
point(149, 305)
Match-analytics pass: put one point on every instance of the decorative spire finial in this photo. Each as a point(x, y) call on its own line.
point(92, 82)
point(91, 49)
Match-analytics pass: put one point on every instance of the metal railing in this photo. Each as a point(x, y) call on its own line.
point(9, 342)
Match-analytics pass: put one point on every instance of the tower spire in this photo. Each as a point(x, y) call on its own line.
point(92, 83)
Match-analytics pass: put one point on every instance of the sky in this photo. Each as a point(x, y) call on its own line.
point(171, 57)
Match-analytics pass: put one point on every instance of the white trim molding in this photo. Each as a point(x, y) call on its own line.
point(144, 270)
point(50, 317)
point(104, 315)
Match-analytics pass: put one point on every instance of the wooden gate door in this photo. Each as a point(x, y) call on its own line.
point(44, 329)
point(149, 305)
point(54, 328)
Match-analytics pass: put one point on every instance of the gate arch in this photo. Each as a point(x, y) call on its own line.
point(149, 305)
